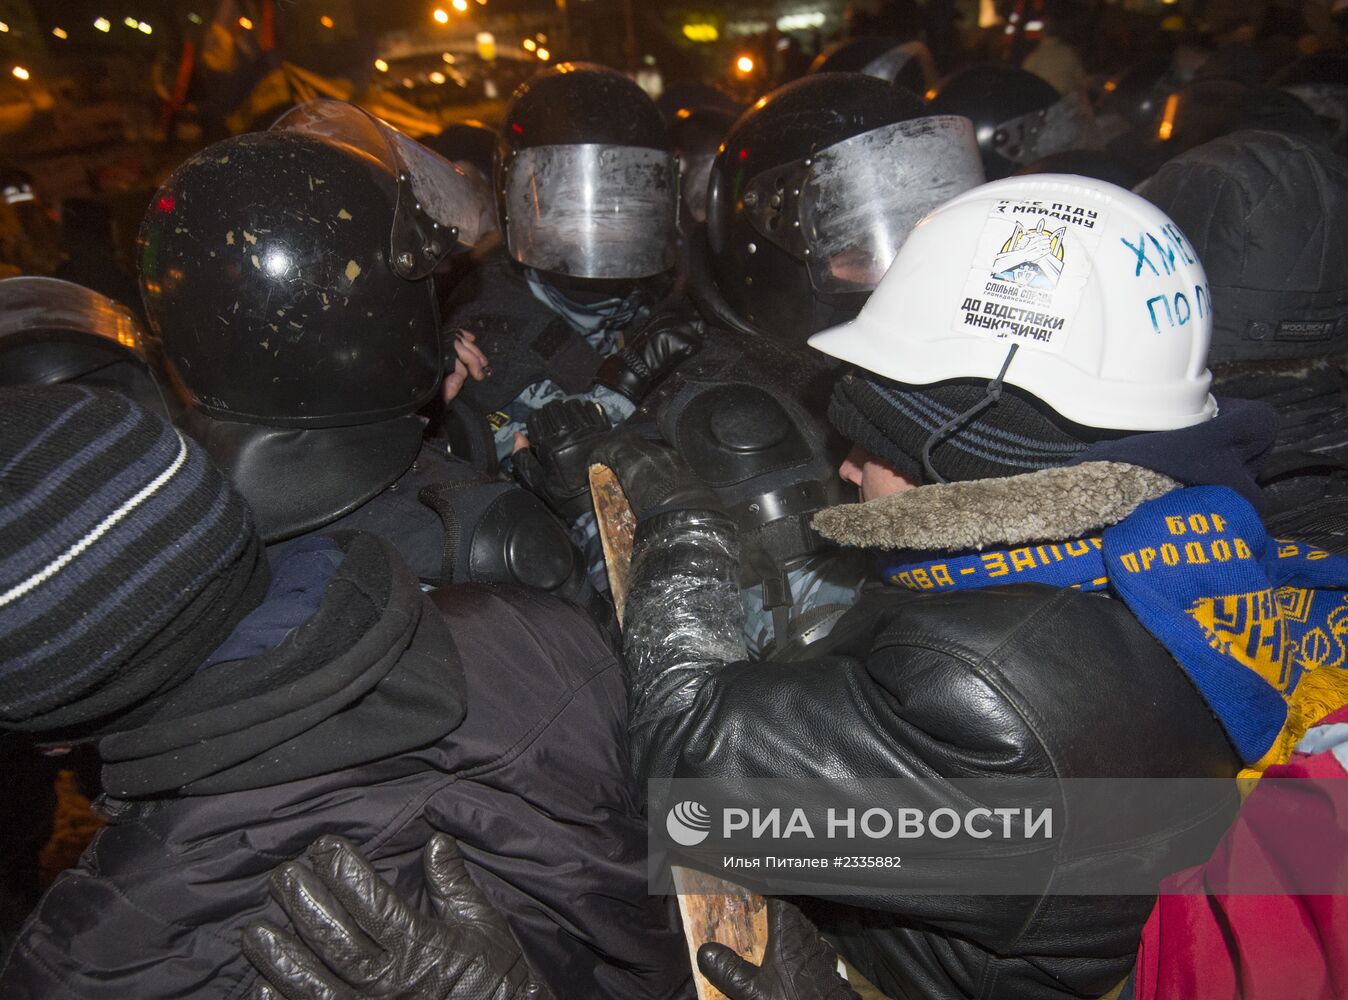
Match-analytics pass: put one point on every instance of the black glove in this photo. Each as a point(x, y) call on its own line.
point(652, 354)
point(655, 478)
point(556, 465)
point(798, 964)
point(358, 938)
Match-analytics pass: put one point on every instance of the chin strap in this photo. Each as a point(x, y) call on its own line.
point(994, 393)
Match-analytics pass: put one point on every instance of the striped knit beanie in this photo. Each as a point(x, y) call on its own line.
point(893, 422)
point(125, 558)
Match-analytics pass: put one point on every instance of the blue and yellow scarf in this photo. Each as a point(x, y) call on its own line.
point(1259, 624)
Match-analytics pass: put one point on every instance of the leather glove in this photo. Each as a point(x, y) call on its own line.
point(556, 465)
point(359, 939)
point(798, 964)
point(655, 478)
point(653, 353)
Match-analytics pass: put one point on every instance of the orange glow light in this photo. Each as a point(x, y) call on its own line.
point(1167, 127)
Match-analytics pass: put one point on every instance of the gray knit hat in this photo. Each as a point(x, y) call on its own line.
point(125, 558)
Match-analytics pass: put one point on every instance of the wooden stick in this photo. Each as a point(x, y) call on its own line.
point(617, 531)
point(711, 908)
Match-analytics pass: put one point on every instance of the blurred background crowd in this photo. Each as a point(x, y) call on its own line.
point(99, 101)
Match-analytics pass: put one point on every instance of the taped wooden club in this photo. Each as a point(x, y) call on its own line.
point(711, 908)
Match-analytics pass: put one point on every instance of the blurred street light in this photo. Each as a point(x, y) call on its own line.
point(103, 24)
point(529, 45)
point(194, 18)
point(436, 77)
point(130, 22)
point(380, 65)
point(744, 65)
point(440, 16)
point(246, 24)
point(3, 27)
point(145, 29)
point(447, 57)
point(60, 33)
point(325, 21)
point(544, 54)
point(20, 72)
point(460, 5)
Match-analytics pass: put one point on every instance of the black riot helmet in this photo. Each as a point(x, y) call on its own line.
point(53, 331)
point(286, 272)
point(586, 184)
point(287, 275)
point(815, 189)
point(1018, 117)
point(1134, 98)
point(906, 63)
point(853, 54)
point(694, 94)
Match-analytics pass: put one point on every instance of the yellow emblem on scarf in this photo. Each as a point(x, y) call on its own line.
point(1250, 629)
point(1272, 633)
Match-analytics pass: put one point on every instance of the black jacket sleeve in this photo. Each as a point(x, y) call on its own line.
point(1015, 681)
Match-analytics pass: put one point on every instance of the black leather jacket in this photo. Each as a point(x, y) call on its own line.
point(1022, 680)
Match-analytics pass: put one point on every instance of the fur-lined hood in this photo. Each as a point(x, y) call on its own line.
point(1045, 506)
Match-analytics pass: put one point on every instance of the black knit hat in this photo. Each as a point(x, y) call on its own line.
point(894, 422)
point(1266, 214)
point(125, 558)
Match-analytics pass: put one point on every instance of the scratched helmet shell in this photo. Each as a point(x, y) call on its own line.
point(1098, 293)
point(287, 273)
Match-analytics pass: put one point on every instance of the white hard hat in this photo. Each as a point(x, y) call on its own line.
point(1101, 295)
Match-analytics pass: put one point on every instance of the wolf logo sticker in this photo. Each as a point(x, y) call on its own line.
point(1032, 257)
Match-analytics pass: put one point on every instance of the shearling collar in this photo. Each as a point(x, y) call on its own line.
point(1044, 506)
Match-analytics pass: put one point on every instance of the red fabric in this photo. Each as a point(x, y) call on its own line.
point(1199, 946)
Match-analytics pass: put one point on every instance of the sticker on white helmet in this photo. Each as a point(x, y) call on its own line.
point(1029, 273)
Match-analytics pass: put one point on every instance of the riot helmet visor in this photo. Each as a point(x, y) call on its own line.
point(591, 210)
point(51, 310)
point(847, 209)
point(1067, 124)
point(439, 205)
point(693, 183)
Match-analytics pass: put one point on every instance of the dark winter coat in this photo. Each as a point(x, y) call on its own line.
point(351, 727)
